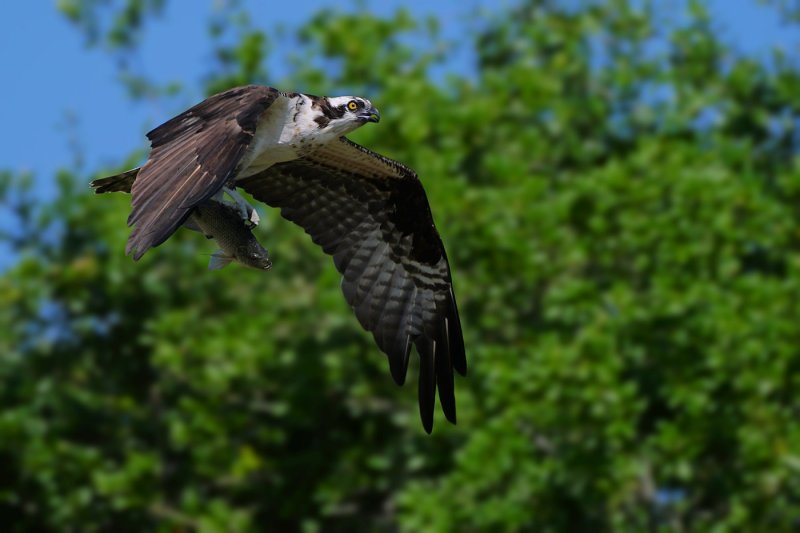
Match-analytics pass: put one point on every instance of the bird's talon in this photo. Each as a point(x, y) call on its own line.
point(247, 211)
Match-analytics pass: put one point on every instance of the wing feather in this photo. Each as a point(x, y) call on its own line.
point(372, 215)
point(427, 381)
point(193, 156)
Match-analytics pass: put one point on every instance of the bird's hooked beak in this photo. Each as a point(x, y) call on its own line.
point(372, 115)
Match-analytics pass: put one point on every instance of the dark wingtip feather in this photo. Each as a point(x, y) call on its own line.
point(398, 361)
point(455, 337)
point(139, 243)
point(133, 250)
point(136, 245)
point(444, 380)
point(427, 383)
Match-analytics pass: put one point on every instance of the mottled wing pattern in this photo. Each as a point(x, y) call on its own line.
point(372, 215)
point(193, 156)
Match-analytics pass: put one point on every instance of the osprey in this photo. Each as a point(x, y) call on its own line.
point(369, 212)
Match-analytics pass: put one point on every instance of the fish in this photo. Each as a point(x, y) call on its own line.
point(223, 222)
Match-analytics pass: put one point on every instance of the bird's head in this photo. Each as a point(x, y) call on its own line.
point(342, 114)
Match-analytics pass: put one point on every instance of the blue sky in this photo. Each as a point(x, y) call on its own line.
point(49, 74)
point(62, 88)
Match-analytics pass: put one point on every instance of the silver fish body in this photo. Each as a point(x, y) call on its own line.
point(222, 221)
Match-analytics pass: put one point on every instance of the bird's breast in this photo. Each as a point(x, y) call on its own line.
point(285, 132)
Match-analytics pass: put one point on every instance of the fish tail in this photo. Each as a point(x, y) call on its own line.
point(219, 260)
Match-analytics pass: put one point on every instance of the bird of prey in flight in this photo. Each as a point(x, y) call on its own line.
point(369, 212)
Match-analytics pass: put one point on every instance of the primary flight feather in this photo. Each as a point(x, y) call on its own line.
point(369, 212)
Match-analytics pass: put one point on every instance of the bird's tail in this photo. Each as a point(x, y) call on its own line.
point(117, 183)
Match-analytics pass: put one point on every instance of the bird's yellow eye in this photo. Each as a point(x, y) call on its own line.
point(352, 105)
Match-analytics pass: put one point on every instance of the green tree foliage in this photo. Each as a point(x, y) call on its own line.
point(618, 192)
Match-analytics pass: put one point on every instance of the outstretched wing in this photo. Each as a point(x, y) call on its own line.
point(193, 156)
point(371, 214)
